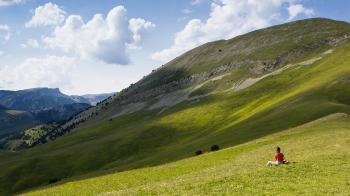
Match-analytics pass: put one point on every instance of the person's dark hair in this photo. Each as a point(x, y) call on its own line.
point(278, 149)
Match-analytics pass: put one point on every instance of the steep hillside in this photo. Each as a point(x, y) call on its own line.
point(221, 65)
point(226, 93)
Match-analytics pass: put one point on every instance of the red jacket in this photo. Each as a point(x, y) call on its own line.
point(279, 156)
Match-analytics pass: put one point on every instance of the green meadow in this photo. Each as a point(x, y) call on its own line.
point(319, 152)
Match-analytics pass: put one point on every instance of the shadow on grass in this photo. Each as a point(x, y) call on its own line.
point(159, 145)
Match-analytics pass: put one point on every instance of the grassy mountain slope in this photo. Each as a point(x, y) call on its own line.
point(277, 45)
point(12, 121)
point(275, 88)
point(319, 152)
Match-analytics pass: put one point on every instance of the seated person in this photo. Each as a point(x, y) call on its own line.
point(279, 158)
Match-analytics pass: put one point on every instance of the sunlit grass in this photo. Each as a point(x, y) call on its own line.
point(319, 152)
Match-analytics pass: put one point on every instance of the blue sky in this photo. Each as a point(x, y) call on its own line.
point(95, 46)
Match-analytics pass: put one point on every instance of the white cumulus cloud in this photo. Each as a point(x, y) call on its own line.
point(49, 71)
point(46, 15)
point(104, 38)
point(227, 19)
point(297, 9)
point(139, 26)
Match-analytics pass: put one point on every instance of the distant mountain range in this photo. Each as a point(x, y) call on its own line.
point(91, 99)
point(23, 109)
point(44, 98)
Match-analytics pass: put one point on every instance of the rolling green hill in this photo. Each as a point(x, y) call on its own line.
point(319, 152)
point(229, 93)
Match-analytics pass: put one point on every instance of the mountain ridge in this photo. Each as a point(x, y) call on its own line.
point(44, 98)
point(23, 109)
point(158, 82)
